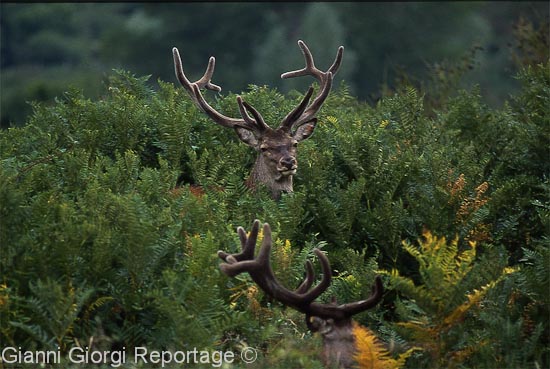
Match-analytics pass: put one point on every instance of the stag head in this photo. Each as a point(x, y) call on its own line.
point(333, 321)
point(276, 162)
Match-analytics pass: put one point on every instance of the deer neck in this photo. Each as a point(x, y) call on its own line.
point(339, 353)
point(264, 174)
point(338, 342)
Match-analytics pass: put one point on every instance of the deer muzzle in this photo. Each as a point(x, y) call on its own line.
point(287, 166)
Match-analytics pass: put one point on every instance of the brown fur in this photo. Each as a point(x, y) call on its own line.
point(276, 163)
point(338, 341)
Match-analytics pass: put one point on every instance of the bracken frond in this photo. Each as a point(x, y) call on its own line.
point(371, 353)
point(474, 299)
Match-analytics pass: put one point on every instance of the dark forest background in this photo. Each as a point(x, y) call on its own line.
point(47, 47)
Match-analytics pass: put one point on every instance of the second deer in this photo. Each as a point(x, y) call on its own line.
point(276, 162)
point(332, 321)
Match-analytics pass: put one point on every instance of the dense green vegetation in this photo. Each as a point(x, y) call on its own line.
point(99, 247)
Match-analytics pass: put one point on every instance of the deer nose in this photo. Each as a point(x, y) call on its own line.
point(288, 162)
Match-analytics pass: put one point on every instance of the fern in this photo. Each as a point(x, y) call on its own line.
point(371, 354)
point(54, 312)
point(87, 195)
point(437, 307)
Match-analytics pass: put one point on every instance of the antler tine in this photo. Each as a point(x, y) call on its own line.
point(295, 114)
point(213, 113)
point(316, 104)
point(204, 81)
point(325, 84)
point(248, 244)
point(194, 90)
point(308, 280)
point(258, 121)
point(260, 270)
point(337, 61)
point(325, 280)
point(302, 299)
point(345, 311)
point(310, 69)
point(360, 306)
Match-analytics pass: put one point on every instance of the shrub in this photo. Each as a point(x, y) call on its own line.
point(92, 219)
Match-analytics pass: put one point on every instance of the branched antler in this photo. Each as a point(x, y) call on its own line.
point(256, 124)
point(302, 299)
point(298, 117)
point(301, 114)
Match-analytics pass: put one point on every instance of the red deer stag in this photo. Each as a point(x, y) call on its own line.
point(276, 162)
point(332, 321)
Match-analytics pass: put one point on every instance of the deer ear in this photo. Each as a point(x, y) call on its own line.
point(247, 136)
point(305, 130)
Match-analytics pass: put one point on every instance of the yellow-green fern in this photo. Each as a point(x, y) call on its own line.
point(442, 300)
point(371, 354)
